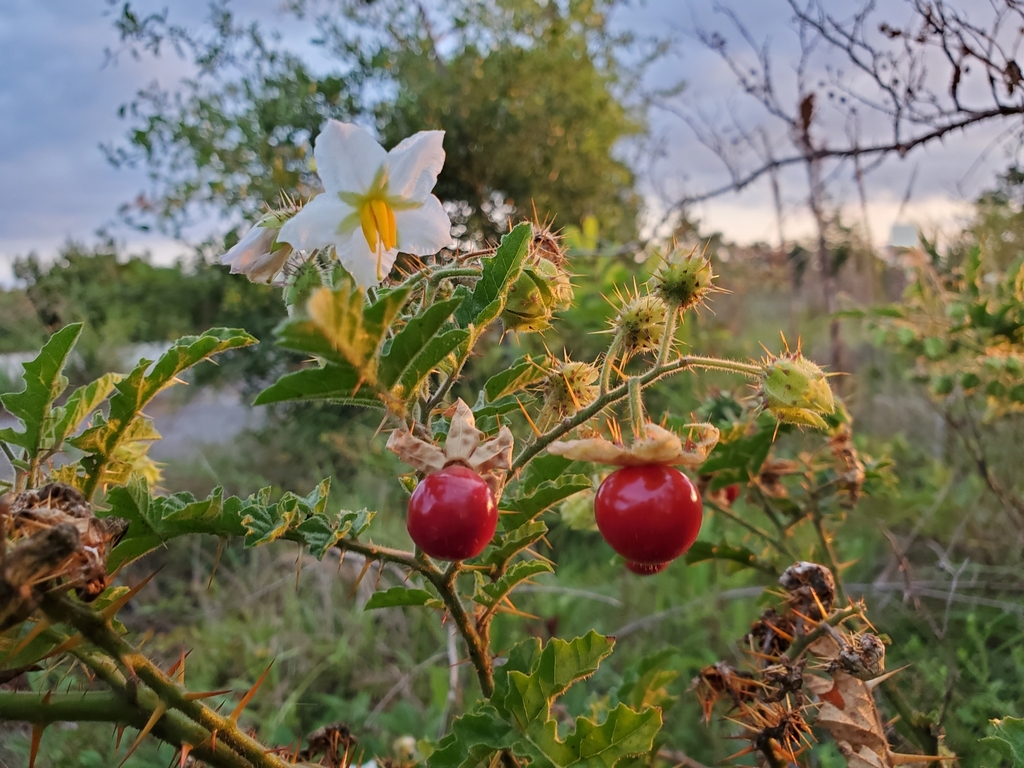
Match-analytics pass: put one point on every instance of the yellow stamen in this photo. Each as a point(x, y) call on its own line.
point(380, 215)
point(366, 219)
point(392, 228)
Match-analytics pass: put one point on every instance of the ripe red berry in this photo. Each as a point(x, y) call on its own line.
point(732, 492)
point(452, 514)
point(645, 569)
point(649, 514)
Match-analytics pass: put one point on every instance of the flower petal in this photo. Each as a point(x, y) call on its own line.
point(355, 255)
point(316, 225)
point(425, 230)
point(347, 157)
point(414, 164)
point(253, 256)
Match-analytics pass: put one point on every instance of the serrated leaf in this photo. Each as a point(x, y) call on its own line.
point(706, 550)
point(80, 404)
point(742, 458)
point(44, 382)
point(473, 737)
point(548, 494)
point(137, 390)
point(154, 520)
point(1007, 739)
point(337, 383)
point(402, 596)
point(525, 371)
point(499, 271)
point(266, 524)
point(623, 733)
point(410, 342)
point(493, 593)
point(646, 684)
point(515, 541)
point(528, 697)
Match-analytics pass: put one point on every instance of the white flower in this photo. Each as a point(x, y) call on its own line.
point(375, 203)
point(258, 255)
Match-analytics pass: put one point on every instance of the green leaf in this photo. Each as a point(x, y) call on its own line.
point(527, 697)
point(80, 404)
point(646, 685)
point(154, 520)
point(473, 737)
point(741, 459)
point(515, 541)
point(498, 273)
point(337, 383)
point(623, 733)
point(402, 596)
point(1008, 740)
point(44, 382)
point(410, 343)
point(525, 371)
point(493, 593)
point(544, 497)
point(705, 550)
point(137, 390)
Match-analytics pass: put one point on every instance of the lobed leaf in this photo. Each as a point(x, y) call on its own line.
point(527, 370)
point(498, 273)
point(397, 596)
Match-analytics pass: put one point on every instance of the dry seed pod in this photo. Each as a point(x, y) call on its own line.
point(658, 446)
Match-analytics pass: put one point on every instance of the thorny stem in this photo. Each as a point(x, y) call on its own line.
point(826, 546)
point(803, 642)
point(98, 631)
point(637, 416)
point(609, 362)
point(669, 335)
point(86, 707)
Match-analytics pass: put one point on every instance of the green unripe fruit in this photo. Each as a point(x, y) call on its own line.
point(641, 324)
point(684, 281)
point(796, 391)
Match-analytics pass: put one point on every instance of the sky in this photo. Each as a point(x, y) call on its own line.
point(60, 94)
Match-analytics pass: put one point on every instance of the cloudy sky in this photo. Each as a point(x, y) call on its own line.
point(59, 97)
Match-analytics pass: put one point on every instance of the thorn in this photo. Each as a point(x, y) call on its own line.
point(37, 737)
point(33, 633)
point(536, 432)
point(252, 692)
point(185, 749)
point(897, 759)
point(157, 714)
point(876, 681)
point(359, 578)
point(72, 642)
point(112, 609)
point(119, 729)
point(741, 753)
point(221, 541)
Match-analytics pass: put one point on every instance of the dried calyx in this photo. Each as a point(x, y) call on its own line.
point(490, 457)
point(657, 446)
point(779, 698)
point(51, 537)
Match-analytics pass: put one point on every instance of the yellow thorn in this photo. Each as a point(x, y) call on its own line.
point(876, 681)
point(252, 692)
point(196, 695)
point(216, 561)
point(119, 603)
point(157, 714)
point(33, 633)
point(359, 578)
point(897, 759)
point(533, 426)
point(185, 749)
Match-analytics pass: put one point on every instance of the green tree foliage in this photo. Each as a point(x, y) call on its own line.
point(529, 93)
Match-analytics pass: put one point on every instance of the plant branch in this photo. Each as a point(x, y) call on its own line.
point(803, 642)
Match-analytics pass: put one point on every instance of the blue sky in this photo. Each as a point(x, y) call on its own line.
point(59, 101)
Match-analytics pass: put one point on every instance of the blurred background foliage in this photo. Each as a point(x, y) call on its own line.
point(536, 99)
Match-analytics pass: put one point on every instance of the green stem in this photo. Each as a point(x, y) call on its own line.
point(97, 630)
point(637, 416)
point(87, 707)
point(609, 363)
point(669, 337)
point(717, 364)
point(914, 724)
point(827, 550)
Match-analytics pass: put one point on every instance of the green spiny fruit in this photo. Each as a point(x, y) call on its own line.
point(795, 390)
point(641, 324)
point(684, 280)
point(569, 387)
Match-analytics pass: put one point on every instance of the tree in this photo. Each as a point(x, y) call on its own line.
point(531, 96)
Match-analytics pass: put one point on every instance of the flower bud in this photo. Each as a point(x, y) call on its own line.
point(569, 387)
point(258, 255)
point(684, 280)
point(796, 391)
point(641, 323)
point(542, 288)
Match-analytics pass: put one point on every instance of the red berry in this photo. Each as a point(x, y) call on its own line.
point(649, 514)
point(732, 492)
point(645, 569)
point(452, 514)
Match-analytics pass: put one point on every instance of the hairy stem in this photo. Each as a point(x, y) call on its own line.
point(669, 335)
point(609, 363)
